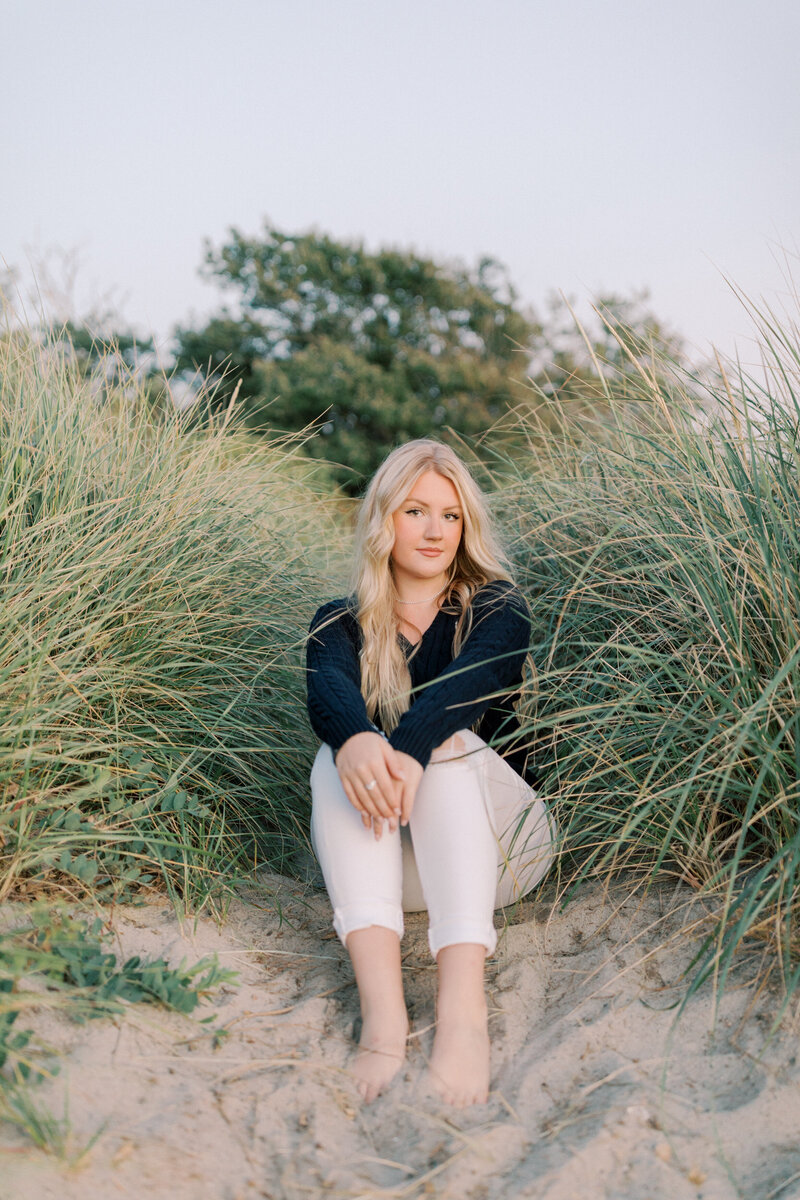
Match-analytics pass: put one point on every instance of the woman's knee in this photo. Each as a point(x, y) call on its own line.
point(459, 743)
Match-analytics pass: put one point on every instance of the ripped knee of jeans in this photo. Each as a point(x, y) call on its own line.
point(453, 747)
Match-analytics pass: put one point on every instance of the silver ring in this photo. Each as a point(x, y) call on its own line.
point(369, 786)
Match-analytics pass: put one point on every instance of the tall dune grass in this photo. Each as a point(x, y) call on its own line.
point(157, 580)
point(662, 554)
point(158, 577)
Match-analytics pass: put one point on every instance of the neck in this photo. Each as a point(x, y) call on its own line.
point(419, 591)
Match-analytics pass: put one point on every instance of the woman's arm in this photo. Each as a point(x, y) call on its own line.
point(490, 660)
point(368, 766)
point(336, 708)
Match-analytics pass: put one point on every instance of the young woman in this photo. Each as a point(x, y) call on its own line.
point(409, 678)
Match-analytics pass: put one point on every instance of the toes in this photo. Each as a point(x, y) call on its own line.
point(457, 1099)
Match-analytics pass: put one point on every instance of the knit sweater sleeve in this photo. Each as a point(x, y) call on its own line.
point(336, 708)
point(490, 660)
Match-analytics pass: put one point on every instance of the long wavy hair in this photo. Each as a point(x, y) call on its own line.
point(385, 678)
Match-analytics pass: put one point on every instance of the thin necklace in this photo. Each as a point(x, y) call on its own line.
point(427, 599)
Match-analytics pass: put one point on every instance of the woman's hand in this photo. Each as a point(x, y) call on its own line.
point(367, 757)
point(412, 774)
point(413, 771)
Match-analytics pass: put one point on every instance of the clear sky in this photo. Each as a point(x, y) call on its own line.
point(588, 144)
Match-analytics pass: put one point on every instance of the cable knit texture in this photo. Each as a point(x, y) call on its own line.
point(449, 693)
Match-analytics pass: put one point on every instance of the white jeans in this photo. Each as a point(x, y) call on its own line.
point(478, 839)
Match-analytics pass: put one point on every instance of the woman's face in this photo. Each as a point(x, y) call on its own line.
point(427, 531)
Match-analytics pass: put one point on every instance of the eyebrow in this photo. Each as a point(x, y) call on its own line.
point(413, 500)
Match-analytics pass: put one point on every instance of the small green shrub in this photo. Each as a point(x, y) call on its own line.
point(84, 979)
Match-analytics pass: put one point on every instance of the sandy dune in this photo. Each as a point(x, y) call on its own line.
point(592, 1096)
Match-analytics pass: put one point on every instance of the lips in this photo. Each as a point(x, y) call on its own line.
point(430, 553)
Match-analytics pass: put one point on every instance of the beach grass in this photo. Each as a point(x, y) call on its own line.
point(158, 577)
point(660, 546)
point(159, 570)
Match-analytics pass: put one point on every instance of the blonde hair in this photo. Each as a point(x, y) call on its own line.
point(385, 678)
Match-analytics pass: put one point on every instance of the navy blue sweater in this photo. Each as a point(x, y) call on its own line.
point(463, 689)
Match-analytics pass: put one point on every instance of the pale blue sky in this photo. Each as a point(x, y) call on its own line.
point(587, 144)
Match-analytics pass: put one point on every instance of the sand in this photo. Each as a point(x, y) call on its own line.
point(595, 1092)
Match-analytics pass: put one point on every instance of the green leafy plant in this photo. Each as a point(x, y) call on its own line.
point(84, 979)
point(75, 952)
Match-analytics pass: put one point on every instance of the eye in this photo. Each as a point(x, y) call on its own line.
point(411, 512)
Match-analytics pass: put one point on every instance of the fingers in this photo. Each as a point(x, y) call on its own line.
point(383, 791)
point(372, 800)
point(377, 792)
point(372, 772)
point(406, 802)
point(377, 827)
point(360, 798)
point(373, 811)
point(409, 773)
point(394, 766)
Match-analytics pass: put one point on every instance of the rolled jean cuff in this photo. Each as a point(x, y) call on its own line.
point(364, 913)
point(455, 930)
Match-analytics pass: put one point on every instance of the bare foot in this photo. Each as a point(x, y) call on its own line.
point(459, 1066)
point(380, 1055)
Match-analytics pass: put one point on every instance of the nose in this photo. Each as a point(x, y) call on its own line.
point(433, 530)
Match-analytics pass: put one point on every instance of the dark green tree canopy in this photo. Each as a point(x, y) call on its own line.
point(306, 287)
point(370, 349)
point(376, 347)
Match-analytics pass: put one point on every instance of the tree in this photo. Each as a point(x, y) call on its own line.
point(375, 347)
